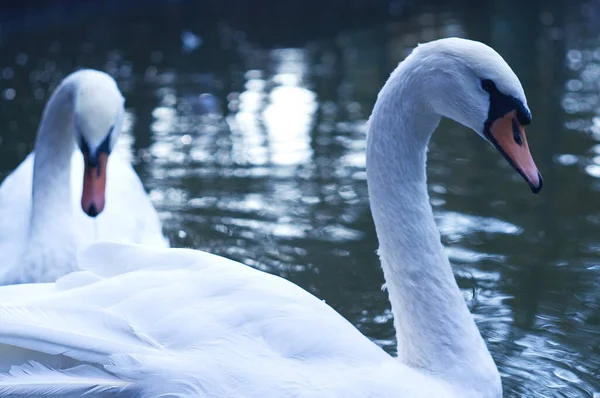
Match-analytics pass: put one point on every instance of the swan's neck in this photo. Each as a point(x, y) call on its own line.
point(434, 328)
point(51, 188)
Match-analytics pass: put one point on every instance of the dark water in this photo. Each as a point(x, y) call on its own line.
point(249, 132)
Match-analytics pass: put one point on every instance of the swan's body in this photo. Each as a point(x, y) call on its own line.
point(219, 329)
point(41, 222)
point(206, 334)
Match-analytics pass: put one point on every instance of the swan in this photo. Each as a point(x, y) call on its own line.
point(41, 225)
point(218, 328)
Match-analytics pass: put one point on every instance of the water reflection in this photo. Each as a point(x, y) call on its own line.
point(256, 151)
point(288, 114)
point(245, 123)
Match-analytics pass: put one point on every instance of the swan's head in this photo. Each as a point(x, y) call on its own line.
point(97, 115)
point(475, 87)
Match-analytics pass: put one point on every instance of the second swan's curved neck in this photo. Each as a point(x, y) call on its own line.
point(51, 184)
point(434, 328)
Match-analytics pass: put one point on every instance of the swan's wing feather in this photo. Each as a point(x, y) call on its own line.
point(35, 379)
point(89, 336)
point(223, 295)
point(108, 259)
point(75, 280)
point(193, 322)
point(25, 292)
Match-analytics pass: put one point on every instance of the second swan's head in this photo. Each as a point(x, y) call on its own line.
point(473, 85)
point(98, 108)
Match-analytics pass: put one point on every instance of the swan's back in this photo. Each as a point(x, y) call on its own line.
point(191, 323)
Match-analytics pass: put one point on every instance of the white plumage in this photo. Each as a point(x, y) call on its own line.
point(209, 327)
point(156, 322)
point(36, 379)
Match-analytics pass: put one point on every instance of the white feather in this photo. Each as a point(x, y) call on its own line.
point(73, 331)
point(76, 279)
point(36, 379)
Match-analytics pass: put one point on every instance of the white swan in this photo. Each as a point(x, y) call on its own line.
point(41, 223)
point(183, 323)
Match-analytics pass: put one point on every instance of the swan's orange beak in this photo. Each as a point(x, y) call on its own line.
point(508, 136)
point(94, 183)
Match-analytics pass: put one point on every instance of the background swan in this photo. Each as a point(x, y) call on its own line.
point(41, 218)
point(220, 329)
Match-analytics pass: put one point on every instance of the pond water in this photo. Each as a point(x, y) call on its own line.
point(248, 132)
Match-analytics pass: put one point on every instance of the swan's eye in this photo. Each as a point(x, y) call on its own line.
point(517, 132)
point(523, 115)
point(501, 104)
point(488, 85)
